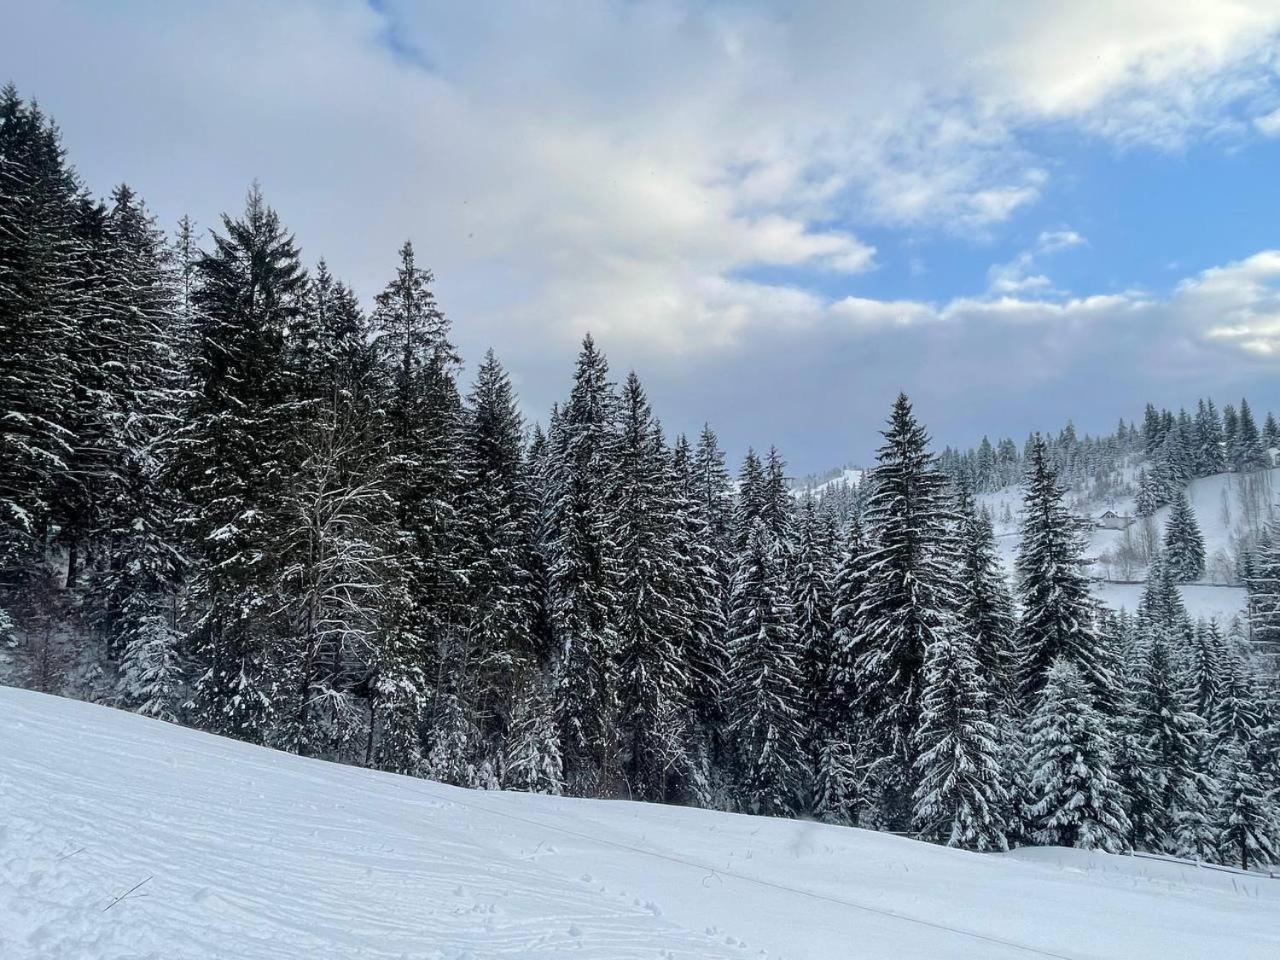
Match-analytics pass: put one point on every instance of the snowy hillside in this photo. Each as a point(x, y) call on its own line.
point(1226, 506)
point(123, 837)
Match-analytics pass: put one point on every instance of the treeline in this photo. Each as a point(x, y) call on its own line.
point(1174, 448)
point(282, 519)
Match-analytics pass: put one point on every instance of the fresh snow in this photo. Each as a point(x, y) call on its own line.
point(237, 851)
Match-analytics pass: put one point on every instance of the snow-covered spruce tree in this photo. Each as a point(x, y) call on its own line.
point(749, 505)
point(1208, 452)
point(531, 759)
point(1147, 501)
point(1246, 816)
point(1237, 713)
point(704, 652)
point(1161, 602)
point(229, 460)
point(835, 789)
point(764, 694)
point(777, 504)
point(1174, 738)
point(1264, 589)
point(652, 615)
point(1075, 799)
point(1183, 542)
point(1057, 608)
point(1245, 453)
point(38, 252)
point(134, 602)
point(581, 549)
point(984, 607)
point(713, 492)
point(497, 513)
point(908, 603)
point(812, 580)
point(421, 426)
point(961, 794)
point(1207, 669)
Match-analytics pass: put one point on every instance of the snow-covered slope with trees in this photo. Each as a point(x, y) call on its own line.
point(125, 837)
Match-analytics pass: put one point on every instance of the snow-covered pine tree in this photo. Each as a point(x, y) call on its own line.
point(531, 759)
point(836, 785)
point(1237, 713)
point(713, 492)
point(1174, 738)
point(421, 427)
point(749, 505)
point(39, 256)
point(1264, 588)
point(1183, 542)
point(698, 560)
point(1057, 607)
point(1246, 453)
point(1207, 669)
point(1270, 433)
point(812, 581)
point(497, 512)
point(908, 602)
point(984, 606)
point(135, 599)
point(582, 574)
point(1246, 816)
point(1208, 454)
point(1075, 799)
point(1147, 501)
point(961, 795)
point(777, 505)
point(652, 616)
point(229, 457)
point(764, 694)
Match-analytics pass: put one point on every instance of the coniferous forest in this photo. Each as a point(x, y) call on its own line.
point(261, 505)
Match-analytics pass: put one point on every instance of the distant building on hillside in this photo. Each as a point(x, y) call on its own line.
point(1110, 520)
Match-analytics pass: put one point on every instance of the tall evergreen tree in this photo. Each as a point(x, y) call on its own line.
point(1076, 801)
point(1246, 813)
point(582, 574)
point(497, 514)
point(1183, 542)
point(422, 430)
point(230, 461)
point(960, 797)
point(1174, 738)
point(764, 681)
point(39, 253)
point(1057, 608)
point(907, 602)
point(651, 616)
point(985, 607)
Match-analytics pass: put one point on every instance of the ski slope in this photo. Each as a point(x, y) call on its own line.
point(234, 851)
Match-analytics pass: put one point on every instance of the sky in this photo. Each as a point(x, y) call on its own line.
point(778, 214)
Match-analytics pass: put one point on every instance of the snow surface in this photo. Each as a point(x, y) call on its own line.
point(242, 852)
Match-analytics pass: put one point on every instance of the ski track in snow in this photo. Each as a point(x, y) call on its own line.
point(252, 854)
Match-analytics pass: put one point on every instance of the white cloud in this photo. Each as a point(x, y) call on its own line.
point(623, 166)
point(1268, 124)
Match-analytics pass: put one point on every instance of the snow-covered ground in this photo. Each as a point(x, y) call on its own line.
point(236, 851)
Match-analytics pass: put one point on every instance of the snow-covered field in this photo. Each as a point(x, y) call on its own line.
point(233, 851)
